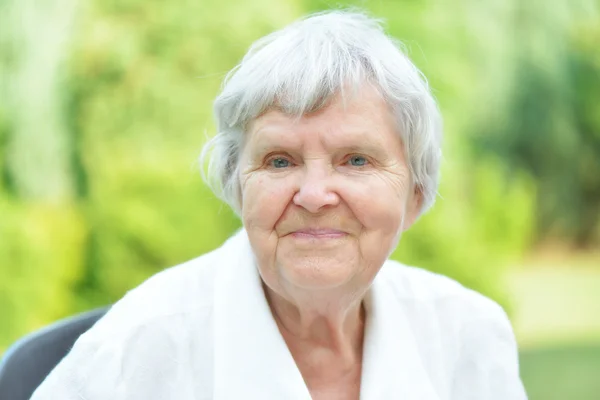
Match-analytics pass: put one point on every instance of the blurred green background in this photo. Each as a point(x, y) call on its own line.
point(105, 105)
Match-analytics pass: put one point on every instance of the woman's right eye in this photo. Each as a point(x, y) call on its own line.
point(279, 162)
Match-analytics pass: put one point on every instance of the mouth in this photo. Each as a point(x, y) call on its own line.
point(321, 233)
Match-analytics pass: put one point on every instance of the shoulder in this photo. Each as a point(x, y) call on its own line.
point(476, 344)
point(180, 293)
point(174, 292)
point(416, 285)
point(438, 306)
point(147, 340)
point(185, 289)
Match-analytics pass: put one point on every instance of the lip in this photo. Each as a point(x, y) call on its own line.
point(318, 233)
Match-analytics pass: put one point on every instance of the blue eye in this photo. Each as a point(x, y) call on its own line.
point(280, 162)
point(357, 161)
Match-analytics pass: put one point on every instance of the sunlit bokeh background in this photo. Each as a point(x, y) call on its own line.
point(105, 105)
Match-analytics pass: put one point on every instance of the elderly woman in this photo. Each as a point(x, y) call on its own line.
point(328, 148)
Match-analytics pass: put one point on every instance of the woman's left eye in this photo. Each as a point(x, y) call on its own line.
point(279, 162)
point(357, 161)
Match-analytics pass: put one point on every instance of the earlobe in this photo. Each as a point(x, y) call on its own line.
point(413, 208)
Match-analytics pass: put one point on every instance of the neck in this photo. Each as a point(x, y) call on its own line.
point(334, 327)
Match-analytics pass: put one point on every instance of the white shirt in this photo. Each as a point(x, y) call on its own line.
point(203, 330)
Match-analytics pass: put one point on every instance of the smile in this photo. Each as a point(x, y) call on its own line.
point(318, 234)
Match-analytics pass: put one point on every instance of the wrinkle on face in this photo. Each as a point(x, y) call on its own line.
point(370, 202)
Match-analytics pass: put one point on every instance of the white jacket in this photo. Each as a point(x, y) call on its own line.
point(203, 330)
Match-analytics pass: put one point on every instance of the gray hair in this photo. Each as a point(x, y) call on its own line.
point(299, 69)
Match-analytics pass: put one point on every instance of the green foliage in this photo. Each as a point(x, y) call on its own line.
point(42, 249)
point(471, 234)
point(144, 223)
point(550, 126)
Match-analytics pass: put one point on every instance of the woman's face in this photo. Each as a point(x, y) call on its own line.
point(325, 197)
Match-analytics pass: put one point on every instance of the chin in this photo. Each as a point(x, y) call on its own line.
point(317, 274)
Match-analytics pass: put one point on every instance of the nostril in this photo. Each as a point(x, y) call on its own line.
point(315, 196)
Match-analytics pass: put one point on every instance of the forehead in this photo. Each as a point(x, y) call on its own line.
point(364, 116)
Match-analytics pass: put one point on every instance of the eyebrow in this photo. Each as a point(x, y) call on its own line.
point(268, 138)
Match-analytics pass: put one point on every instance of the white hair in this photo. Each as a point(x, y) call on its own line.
point(299, 69)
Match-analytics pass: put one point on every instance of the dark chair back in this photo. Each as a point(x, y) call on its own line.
point(27, 362)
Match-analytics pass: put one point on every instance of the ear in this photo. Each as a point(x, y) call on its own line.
point(413, 207)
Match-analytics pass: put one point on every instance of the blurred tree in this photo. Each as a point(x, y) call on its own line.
point(41, 229)
point(37, 161)
point(551, 125)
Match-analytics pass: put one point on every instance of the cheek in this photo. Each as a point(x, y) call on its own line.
point(378, 202)
point(264, 200)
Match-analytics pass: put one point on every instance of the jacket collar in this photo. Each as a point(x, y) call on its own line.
point(392, 366)
point(251, 359)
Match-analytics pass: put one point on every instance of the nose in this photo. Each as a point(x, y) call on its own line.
point(315, 190)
